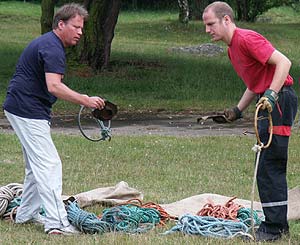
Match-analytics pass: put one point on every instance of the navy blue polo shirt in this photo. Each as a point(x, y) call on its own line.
point(27, 94)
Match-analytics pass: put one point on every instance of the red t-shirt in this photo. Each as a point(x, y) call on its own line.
point(249, 53)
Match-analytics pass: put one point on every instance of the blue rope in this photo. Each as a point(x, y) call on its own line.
point(124, 218)
point(105, 130)
point(85, 221)
point(209, 227)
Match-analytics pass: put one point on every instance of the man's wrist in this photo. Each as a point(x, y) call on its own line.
point(269, 93)
point(237, 112)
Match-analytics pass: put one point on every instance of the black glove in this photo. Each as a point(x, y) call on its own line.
point(107, 113)
point(268, 100)
point(233, 114)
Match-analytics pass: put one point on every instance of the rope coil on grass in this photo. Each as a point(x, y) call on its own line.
point(7, 194)
point(209, 227)
point(126, 218)
point(245, 215)
point(85, 221)
point(164, 216)
point(131, 218)
point(227, 211)
point(226, 221)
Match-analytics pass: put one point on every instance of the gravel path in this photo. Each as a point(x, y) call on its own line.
point(145, 124)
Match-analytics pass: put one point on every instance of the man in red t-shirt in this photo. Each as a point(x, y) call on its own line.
point(265, 72)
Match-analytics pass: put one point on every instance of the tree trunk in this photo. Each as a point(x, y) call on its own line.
point(242, 10)
point(134, 4)
point(99, 32)
point(47, 7)
point(95, 46)
point(183, 11)
point(197, 8)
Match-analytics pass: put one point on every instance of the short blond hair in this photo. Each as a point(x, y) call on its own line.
point(220, 9)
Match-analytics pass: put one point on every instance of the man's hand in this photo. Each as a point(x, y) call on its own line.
point(268, 100)
point(95, 102)
point(233, 114)
point(107, 113)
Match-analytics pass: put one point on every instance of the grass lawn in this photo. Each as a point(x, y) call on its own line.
point(145, 75)
point(164, 169)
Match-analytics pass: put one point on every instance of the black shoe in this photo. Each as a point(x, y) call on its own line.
point(266, 237)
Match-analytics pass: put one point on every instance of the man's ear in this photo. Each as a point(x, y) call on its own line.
point(227, 19)
point(61, 25)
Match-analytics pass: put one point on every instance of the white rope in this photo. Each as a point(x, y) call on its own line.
point(256, 148)
point(7, 194)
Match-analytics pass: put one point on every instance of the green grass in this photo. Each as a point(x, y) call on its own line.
point(144, 74)
point(279, 15)
point(164, 169)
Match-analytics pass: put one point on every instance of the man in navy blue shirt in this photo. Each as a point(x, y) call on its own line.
point(34, 88)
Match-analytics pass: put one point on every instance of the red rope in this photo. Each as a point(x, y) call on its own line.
point(227, 211)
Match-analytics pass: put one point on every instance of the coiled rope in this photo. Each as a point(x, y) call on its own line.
point(105, 131)
point(7, 194)
point(131, 218)
point(85, 221)
point(124, 218)
point(164, 216)
point(227, 221)
point(245, 215)
point(209, 227)
point(227, 211)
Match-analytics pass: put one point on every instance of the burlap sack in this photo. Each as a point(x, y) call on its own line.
point(192, 205)
point(294, 204)
point(107, 196)
point(120, 193)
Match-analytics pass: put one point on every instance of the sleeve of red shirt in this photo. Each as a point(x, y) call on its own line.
point(258, 47)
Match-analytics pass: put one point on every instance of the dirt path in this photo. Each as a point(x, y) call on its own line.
point(149, 124)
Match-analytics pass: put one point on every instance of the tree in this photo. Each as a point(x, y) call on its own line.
point(99, 32)
point(183, 11)
point(197, 7)
point(248, 10)
point(47, 7)
point(191, 9)
point(95, 46)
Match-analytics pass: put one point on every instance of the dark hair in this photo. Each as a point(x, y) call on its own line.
point(220, 9)
point(69, 11)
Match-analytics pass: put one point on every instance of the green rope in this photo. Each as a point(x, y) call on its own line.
point(123, 218)
point(14, 203)
point(131, 219)
point(244, 215)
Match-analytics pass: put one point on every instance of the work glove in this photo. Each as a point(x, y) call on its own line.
point(268, 100)
point(107, 113)
point(233, 114)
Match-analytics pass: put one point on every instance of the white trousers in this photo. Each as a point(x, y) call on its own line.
point(43, 173)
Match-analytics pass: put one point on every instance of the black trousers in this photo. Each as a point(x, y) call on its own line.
point(272, 168)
